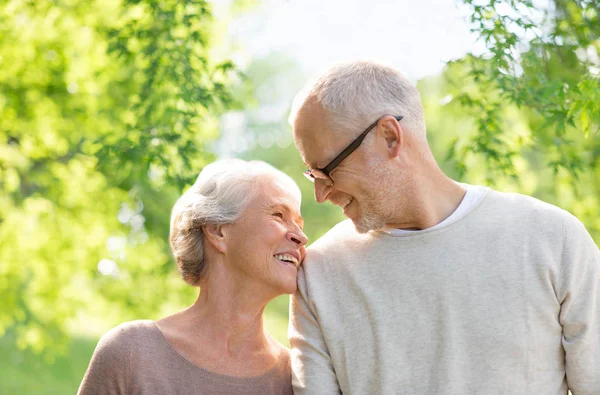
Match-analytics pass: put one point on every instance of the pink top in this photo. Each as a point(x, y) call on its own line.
point(136, 358)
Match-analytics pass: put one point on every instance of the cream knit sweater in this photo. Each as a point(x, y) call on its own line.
point(504, 301)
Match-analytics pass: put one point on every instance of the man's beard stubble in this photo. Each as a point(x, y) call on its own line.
point(373, 215)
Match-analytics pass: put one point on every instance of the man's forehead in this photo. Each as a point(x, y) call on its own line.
point(309, 118)
point(315, 149)
point(311, 132)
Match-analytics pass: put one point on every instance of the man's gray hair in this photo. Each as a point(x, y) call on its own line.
point(357, 93)
point(219, 196)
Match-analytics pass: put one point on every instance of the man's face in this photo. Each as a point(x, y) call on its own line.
point(359, 181)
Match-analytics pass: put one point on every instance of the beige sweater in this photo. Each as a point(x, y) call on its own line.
point(135, 358)
point(504, 301)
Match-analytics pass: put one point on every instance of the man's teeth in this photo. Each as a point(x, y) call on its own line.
point(346, 203)
point(287, 258)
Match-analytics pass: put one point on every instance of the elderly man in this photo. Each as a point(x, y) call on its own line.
point(431, 286)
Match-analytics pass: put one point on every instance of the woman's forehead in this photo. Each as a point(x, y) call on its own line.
point(275, 196)
point(280, 185)
point(272, 194)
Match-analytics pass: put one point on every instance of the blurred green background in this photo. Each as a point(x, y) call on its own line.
point(109, 109)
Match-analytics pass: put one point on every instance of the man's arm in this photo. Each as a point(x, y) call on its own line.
point(580, 309)
point(312, 369)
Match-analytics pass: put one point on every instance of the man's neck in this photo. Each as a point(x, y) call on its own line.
point(433, 200)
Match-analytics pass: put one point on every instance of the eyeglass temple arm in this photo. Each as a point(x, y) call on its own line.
point(352, 147)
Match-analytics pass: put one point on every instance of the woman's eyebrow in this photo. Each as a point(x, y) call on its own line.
point(274, 206)
point(283, 207)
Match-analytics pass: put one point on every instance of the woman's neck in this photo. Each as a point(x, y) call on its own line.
point(228, 314)
point(232, 322)
point(223, 330)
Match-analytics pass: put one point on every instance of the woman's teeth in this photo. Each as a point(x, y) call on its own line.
point(287, 258)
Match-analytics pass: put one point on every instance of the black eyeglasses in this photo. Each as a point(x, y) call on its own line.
point(323, 173)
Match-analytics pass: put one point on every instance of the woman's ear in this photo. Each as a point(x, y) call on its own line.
point(215, 236)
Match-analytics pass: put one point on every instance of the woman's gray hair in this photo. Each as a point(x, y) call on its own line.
point(219, 196)
point(357, 93)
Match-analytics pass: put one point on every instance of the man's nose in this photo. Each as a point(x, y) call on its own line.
point(322, 190)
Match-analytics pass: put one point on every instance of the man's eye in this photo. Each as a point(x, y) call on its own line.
point(280, 215)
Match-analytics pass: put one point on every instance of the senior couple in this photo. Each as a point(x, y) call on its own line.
point(430, 287)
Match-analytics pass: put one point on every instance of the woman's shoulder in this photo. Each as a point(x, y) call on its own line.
point(285, 353)
point(119, 340)
point(127, 332)
point(284, 361)
point(131, 328)
point(110, 367)
point(280, 376)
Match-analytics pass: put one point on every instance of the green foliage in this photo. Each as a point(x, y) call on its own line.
point(543, 60)
point(276, 318)
point(24, 372)
point(529, 106)
point(106, 108)
point(164, 51)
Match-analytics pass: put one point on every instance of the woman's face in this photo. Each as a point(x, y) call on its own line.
point(266, 246)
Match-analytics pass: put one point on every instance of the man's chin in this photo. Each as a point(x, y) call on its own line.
point(364, 226)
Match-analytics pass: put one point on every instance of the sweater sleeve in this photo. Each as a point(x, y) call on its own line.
point(312, 369)
point(580, 309)
point(108, 371)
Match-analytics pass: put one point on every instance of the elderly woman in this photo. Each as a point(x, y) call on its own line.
point(236, 234)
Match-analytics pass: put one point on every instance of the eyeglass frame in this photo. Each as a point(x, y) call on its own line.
point(353, 146)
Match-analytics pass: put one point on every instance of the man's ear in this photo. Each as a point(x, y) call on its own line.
point(393, 134)
point(216, 237)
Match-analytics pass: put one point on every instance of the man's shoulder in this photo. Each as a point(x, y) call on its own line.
point(523, 207)
point(335, 248)
point(340, 234)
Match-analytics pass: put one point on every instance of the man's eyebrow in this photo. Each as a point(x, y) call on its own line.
point(312, 167)
point(303, 158)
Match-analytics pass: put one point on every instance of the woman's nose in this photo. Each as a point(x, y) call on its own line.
point(297, 237)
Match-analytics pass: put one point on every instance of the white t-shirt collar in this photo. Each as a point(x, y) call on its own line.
point(472, 197)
